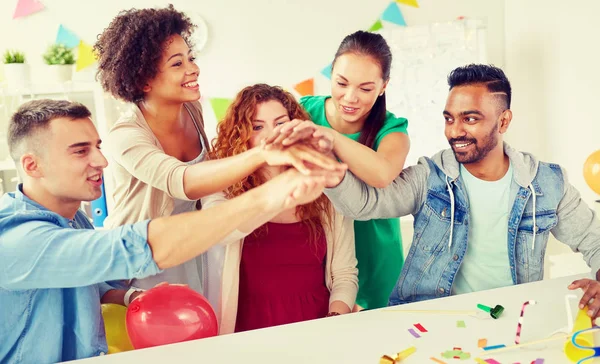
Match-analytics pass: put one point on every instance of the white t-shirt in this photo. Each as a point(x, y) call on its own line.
point(485, 264)
point(191, 272)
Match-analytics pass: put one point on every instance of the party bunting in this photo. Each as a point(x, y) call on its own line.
point(220, 106)
point(85, 56)
point(67, 37)
point(393, 14)
point(27, 7)
point(375, 27)
point(327, 71)
point(306, 87)
point(412, 3)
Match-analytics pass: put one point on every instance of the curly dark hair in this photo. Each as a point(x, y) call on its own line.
point(129, 50)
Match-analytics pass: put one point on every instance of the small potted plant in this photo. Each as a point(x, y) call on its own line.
point(60, 60)
point(16, 71)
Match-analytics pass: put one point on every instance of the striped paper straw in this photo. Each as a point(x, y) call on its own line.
point(520, 324)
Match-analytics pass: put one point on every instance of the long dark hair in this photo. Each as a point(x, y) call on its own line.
point(372, 45)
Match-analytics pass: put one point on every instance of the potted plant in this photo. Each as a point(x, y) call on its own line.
point(16, 71)
point(60, 60)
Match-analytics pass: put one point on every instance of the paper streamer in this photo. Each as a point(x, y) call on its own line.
point(27, 7)
point(438, 360)
point(492, 347)
point(414, 333)
point(491, 361)
point(420, 328)
point(520, 324)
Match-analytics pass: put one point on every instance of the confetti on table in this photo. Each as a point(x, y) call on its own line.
point(493, 347)
point(491, 361)
point(386, 360)
point(481, 343)
point(420, 328)
point(414, 333)
point(461, 323)
point(480, 361)
point(456, 353)
point(538, 361)
point(405, 353)
point(438, 360)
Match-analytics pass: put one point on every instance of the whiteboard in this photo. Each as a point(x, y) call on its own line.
point(422, 58)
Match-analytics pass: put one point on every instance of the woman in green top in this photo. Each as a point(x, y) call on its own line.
point(373, 143)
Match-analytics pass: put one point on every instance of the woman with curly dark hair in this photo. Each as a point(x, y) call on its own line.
point(299, 266)
point(145, 58)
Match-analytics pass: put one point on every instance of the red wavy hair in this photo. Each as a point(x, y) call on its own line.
point(233, 137)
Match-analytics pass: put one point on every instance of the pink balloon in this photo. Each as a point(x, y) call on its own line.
point(169, 314)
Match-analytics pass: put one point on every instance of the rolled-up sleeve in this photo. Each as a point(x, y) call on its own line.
point(40, 254)
point(135, 150)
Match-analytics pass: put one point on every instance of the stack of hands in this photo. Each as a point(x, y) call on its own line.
point(308, 150)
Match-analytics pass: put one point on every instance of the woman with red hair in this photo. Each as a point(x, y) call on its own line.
point(299, 266)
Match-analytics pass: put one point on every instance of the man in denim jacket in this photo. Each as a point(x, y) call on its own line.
point(483, 211)
point(53, 264)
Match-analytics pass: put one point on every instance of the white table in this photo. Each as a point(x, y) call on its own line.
point(364, 337)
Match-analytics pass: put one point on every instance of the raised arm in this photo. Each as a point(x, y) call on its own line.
point(357, 200)
point(376, 168)
point(134, 149)
point(57, 257)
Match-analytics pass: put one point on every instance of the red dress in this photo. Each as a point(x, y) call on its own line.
point(282, 277)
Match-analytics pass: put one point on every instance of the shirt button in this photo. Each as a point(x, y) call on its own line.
point(455, 257)
point(442, 290)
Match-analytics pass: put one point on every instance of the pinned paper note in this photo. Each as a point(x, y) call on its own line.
point(220, 106)
point(413, 3)
point(327, 71)
point(306, 87)
point(393, 14)
point(376, 26)
point(67, 37)
point(85, 56)
point(27, 7)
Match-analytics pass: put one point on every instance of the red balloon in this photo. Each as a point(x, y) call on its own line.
point(169, 314)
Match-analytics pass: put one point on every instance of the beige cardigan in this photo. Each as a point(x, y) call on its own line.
point(341, 274)
point(146, 179)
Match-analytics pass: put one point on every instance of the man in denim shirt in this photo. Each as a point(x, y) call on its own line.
point(53, 264)
point(483, 211)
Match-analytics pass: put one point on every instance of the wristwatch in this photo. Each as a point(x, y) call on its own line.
point(130, 291)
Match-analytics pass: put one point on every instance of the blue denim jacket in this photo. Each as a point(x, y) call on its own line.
point(542, 201)
point(52, 274)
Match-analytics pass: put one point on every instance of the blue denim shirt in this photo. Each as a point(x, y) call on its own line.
point(52, 274)
point(542, 202)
